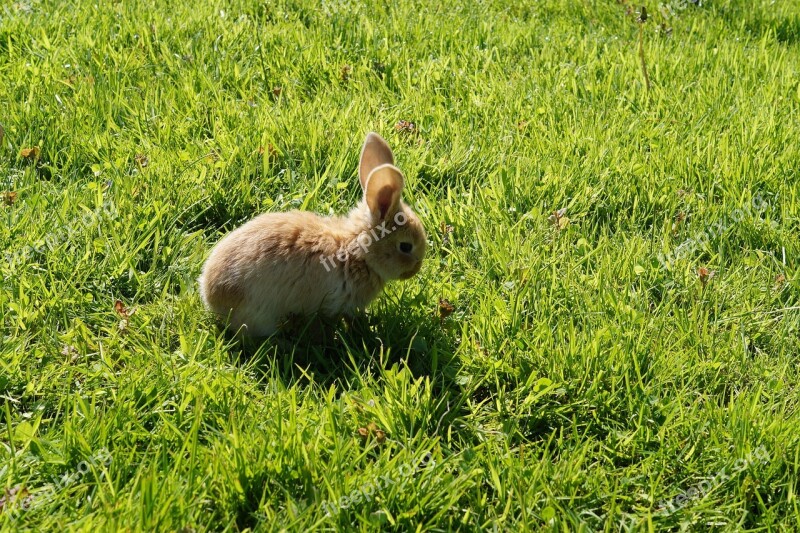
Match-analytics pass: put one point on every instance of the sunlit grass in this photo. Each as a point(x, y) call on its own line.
point(577, 383)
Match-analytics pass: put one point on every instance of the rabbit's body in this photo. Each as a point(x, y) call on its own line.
point(300, 263)
point(285, 273)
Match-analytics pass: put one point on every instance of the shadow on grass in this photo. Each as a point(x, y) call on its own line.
point(340, 351)
point(345, 354)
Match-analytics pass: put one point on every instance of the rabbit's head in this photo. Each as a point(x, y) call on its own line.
point(396, 238)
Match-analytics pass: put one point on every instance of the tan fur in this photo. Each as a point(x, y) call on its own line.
point(275, 265)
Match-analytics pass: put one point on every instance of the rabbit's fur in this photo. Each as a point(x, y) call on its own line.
point(299, 263)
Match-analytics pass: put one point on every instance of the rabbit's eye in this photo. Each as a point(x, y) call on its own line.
point(406, 247)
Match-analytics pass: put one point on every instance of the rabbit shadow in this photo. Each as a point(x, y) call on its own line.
point(323, 353)
point(329, 351)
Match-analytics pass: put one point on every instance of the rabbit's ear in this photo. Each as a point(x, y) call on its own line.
point(374, 154)
point(382, 191)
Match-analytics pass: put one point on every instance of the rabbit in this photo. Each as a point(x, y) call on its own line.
point(280, 265)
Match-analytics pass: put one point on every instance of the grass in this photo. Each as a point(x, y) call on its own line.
point(578, 384)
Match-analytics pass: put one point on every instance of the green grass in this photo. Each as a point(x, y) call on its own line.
point(578, 384)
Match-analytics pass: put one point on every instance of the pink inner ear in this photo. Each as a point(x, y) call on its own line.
point(385, 200)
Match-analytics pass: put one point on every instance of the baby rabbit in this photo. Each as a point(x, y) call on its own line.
point(298, 263)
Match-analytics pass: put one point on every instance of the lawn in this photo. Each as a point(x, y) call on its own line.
point(604, 335)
